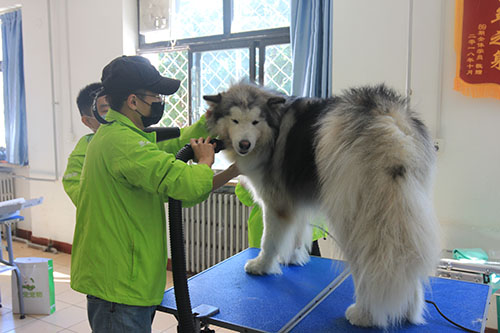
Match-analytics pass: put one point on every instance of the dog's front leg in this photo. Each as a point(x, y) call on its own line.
point(276, 230)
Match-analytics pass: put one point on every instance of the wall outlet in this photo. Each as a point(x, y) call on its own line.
point(439, 145)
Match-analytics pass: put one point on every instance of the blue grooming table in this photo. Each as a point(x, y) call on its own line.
point(269, 303)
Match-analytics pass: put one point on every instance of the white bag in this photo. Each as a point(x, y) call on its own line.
point(38, 286)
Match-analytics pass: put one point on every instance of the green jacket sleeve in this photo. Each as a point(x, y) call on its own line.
point(144, 165)
point(196, 131)
point(71, 178)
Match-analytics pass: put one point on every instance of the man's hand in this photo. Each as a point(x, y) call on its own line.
point(203, 151)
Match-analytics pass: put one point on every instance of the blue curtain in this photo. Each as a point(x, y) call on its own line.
point(311, 42)
point(13, 88)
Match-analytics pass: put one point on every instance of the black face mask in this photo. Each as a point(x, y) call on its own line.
point(157, 109)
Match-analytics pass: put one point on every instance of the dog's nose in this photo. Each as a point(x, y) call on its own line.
point(245, 144)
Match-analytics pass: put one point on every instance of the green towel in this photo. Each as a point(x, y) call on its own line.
point(498, 313)
point(471, 254)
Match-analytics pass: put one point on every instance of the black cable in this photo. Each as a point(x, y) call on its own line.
point(458, 325)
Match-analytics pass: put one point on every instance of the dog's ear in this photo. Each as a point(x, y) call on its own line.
point(213, 98)
point(274, 101)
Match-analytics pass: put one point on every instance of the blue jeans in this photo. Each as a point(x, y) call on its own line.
point(111, 317)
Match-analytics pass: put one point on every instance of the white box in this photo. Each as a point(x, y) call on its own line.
point(38, 286)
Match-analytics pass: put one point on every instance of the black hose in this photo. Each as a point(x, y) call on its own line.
point(182, 300)
point(164, 133)
point(181, 291)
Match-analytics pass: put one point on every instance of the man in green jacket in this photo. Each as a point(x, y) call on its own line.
point(84, 101)
point(119, 254)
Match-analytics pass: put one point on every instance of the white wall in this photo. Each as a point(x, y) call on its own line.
point(66, 45)
point(369, 43)
point(468, 183)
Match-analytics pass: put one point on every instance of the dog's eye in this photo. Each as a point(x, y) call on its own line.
point(235, 121)
point(255, 122)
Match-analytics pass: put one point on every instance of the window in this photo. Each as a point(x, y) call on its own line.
point(3, 155)
point(210, 44)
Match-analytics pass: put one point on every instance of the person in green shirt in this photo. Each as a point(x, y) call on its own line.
point(119, 253)
point(84, 101)
point(256, 224)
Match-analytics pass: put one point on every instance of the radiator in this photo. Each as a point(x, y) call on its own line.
point(7, 192)
point(6, 186)
point(214, 230)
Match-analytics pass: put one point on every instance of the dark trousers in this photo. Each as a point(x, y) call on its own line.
point(315, 249)
point(108, 317)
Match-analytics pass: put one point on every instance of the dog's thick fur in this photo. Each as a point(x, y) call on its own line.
point(365, 161)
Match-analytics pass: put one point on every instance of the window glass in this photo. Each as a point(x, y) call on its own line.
point(188, 19)
point(214, 71)
point(278, 68)
point(195, 18)
point(260, 14)
point(174, 64)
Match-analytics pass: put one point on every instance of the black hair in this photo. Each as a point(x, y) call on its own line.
point(85, 98)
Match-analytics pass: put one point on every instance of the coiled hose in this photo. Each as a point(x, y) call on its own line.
point(181, 291)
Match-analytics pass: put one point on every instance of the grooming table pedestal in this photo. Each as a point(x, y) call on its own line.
point(313, 298)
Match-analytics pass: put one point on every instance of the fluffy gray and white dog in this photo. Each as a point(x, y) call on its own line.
point(365, 161)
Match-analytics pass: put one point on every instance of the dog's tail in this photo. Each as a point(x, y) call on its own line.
point(376, 162)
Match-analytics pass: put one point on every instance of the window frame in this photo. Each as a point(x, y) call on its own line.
point(251, 40)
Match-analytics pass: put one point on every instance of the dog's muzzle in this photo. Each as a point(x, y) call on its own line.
point(244, 147)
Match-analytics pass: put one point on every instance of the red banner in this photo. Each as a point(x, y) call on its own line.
point(477, 43)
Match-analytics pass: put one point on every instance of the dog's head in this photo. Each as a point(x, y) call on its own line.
point(244, 117)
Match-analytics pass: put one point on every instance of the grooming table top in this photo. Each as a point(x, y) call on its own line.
point(249, 303)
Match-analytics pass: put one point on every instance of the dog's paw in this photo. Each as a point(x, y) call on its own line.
point(357, 317)
point(300, 257)
point(416, 318)
point(258, 266)
point(416, 313)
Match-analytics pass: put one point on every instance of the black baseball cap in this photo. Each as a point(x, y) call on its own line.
point(127, 74)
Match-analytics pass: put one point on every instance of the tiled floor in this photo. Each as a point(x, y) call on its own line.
point(71, 311)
